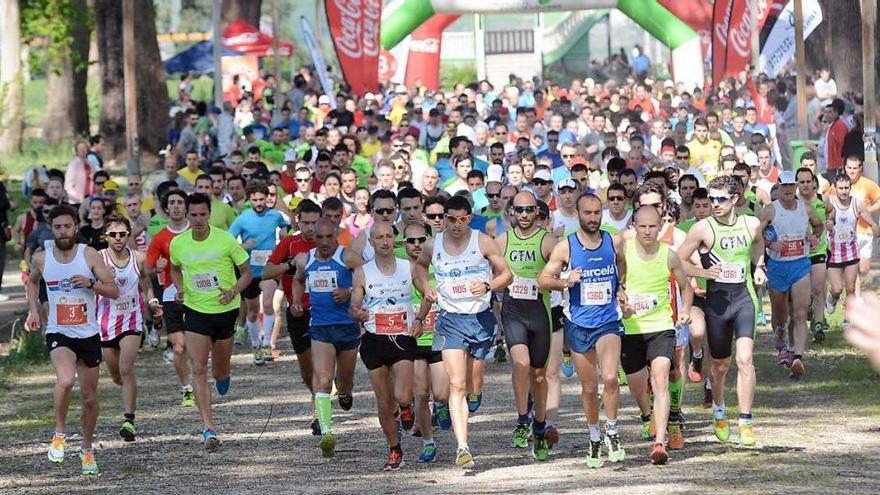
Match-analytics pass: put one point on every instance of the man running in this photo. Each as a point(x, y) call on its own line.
point(464, 261)
point(383, 208)
point(122, 319)
point(258, 227)
point(593, 333)
point(203, 261)
point(326, 270)
point(728, 244)
point(786, 224)
point(75, 274)
point(525, 318)
point(381, 299)
point(648, 320)
point(808, 186)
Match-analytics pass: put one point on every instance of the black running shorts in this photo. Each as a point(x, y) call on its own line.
point(730, 315)
point(87, 350)
point(637, 351)
point(298, 329)
point(218, 326)
point(386, 350)
point(527, 323)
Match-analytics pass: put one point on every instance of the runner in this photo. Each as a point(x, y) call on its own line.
point(650, 338)
point(381, 299)
point(616, 217)
point(203, 262)
point(257, 228)
point(383, 207)
point(786, 224)
point(75, 274)
point(173, 204)
point(122, 319)
point(465, 325)
point(527, 332)
point(326, 270)
point(730, 297)
point(594, 331)
point(808, 193)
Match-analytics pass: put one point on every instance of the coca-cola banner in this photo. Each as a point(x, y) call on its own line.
point(423, 62)
point(354, 25)
point(732, 35)
point(720, 25)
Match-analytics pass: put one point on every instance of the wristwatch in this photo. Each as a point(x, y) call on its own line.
point(488, 287)
point(91, 284)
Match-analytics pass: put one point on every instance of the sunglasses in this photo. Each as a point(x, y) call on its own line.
point(416, 240)
point(540, 182)
point(117, 235)
point(719, 199)
point(491, 195)
point(616, 198)
point(435, 216)
point(524, 209)
point(100, 183)
point(682, 157)
point(384, 211)
point(462, 220)
point(303, 181)
point(581, 179)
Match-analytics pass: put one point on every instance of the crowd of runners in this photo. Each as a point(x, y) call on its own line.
point(626, 232)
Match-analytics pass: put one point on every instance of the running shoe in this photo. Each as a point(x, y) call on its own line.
point(316, 427)
point(345, 401)
point(819, 333)
point(646, 430)
point(463, 458)
point(328, 445)
point(127, 431)
point(407, 417)
point(830, 304)
point(659, 456)
point(551, 434)
point(429, 453)
point(695, 370)
point(223, 385)
point(89, 464)
point(616, 453)
point(707, 395)
point(189, 397)
point(153, 338)
point(168, 355)
point(395, 460)
point(722, 430)
point(444, 420)
point(540, 450)
point(212, 441)
point(240, 334)
point(676, 438)
point(500, 353)
point(594, 457)
point(746, 436)
point(268, 355)
point(797, 369)
point(520, 438)
point(259, 359)
point(567, 364)
point(474, 401)
point(57, 448)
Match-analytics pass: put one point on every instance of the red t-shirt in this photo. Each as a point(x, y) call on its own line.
point(288, 183)
point(289, 247)
point(160, 247)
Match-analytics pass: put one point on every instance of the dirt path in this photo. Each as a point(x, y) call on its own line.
point(816, 436)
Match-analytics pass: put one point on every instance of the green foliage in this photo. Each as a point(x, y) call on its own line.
point(463, 74)
point(55, 21)
point(37, 152)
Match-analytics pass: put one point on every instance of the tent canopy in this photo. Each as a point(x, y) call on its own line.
point(248, 40)
point(197, 58)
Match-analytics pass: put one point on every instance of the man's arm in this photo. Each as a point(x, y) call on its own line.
point(687, 292)
point(549, 279)
point(692, 241)
point(105, 285)
point(33, 291)
point(503, 275)
point(353, 260)
point(421, 278)
point(298, 288)
point(356, 310)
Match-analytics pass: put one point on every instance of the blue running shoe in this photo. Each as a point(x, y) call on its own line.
point(474, 401)
point(567, 365)
point(429, 453)
point(223, 385)
point(212, 442)
point(444, 420)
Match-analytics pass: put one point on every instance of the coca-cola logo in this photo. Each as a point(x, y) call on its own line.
point(348, 37)
point(740, 36)
point(721, 28)
point(427, 45)
point(372, 15)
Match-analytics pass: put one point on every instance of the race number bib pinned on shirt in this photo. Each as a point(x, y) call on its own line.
point(642, 303)
point(430, 319)
point(205, 282)
point(732, 273)
point(793, 247)
point(461, 289)
point(843, 234)
point(124, 306)
point(71, 311)
point(596, 293)
point(260, 257)
point(322, 281)
point(524, 288)
point(391, 320)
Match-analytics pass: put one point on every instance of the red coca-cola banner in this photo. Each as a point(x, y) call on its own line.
point(720, 23)
point(423, 63)
point(732, 35)
point(354, 26)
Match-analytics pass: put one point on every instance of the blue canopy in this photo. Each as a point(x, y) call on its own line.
point(197, 58)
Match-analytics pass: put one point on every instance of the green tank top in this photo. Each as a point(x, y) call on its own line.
point(819, 206)
point(647, 288)
point(732, 247)
point(486, 212)
point(399, 249)
point(427, 337)
point(526, 260)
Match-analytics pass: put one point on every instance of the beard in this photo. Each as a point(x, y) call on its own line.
point(589, 227)
point(65, 243)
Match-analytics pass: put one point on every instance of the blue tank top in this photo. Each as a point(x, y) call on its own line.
point(322, 278)
point(593, 302)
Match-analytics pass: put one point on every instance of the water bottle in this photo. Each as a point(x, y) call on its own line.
point(770, 234)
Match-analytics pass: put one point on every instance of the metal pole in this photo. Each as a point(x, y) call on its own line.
point(275, 43)
point(801, 61)
point(608, 34)
point(129, 74)
point(869, 21)
point(480, 47)
point(217, 39)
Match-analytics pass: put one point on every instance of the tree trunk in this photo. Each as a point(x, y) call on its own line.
point(246, 10)
point(152, 93)
point(67, 106)
point(11, 97)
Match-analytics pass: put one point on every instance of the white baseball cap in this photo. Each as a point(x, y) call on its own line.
point(323, 100)
point(369, 97)
point(494, 173)
point(751, 159)
point(566, 183)
point(787, 178)
point(543, 174)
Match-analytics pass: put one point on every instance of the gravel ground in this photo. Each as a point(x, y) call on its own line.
point(810, 441)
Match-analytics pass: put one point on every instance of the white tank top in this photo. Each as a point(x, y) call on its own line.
point(620, 225)
point(388, 298)
point(71, 310)
point(125, 313)
point(791, 227)
point(568, 224)
point(455, 274)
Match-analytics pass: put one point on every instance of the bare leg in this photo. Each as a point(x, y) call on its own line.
point(197, 348)
point(88, 389)
point(456, 364)
point(551, 373)
point(380, 379)
point(64, 361)
point(745, 382)
point(128, 350)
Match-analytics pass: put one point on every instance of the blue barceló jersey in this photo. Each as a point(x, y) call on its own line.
point(322, 278)
point(593, 301)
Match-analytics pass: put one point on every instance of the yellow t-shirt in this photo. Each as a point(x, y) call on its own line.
point(189, 175)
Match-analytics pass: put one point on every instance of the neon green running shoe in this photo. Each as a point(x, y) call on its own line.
point(127, 432)
point(89, 464)
point(616, 452)
point(646, 430)
point(189, 397)
point(463, 458)
point(722, 430)
point(328, 445)
point(540, 450)
point(595, 460)
point(520, 438)
point(746, 436)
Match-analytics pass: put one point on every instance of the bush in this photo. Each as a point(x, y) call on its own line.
point(464, 74)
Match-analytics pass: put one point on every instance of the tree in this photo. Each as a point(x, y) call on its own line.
point(152, 93)
point(246, 10)
point(11, 97)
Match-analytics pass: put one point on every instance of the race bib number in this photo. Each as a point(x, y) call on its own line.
point(260, 257)
point(524, 288)
point(844, 235)
point(460, 289)
point(596, 293)
point(430, 320)
point(322, 281)
point(205, 282)
point(642, 303)
point(732, 273)
point(793, 247)
point(71, 311)
point(123, 306)
point(391, 320)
